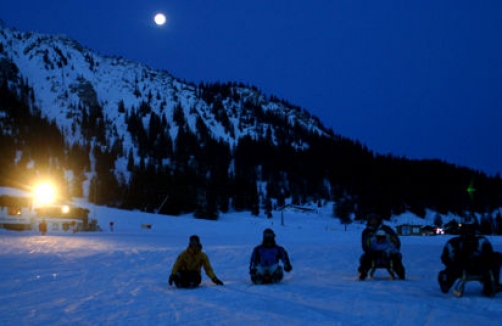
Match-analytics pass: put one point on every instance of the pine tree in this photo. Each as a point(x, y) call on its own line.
point(343, 209)
point(438, 220)
point(267, 206)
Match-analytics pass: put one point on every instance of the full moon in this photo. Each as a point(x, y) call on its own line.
point(160, 19)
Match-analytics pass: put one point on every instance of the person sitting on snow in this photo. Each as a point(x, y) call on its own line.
point(383, 251)
point(186, 272)
point(471, 254)
point(264, 267)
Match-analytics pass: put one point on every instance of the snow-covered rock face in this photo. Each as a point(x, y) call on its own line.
point(66, 76)
point(108, 104)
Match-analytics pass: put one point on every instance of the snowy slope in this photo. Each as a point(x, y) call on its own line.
point(65, 75)
point(120, 277)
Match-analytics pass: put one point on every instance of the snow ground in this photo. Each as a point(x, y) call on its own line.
point(120, 277)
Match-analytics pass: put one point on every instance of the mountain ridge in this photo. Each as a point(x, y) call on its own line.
point(52, 65)
point(135, 137)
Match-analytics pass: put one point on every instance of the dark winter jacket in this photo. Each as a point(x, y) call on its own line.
point(264, 255)
point(367, 238)
point(467, 253)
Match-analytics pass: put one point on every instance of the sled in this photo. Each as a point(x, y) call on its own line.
point(268, 278)
point(382, 264)
point(459, 287)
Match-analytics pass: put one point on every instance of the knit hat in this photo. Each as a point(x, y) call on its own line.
point(468, 228)
point(373, 221)
point(268, 233)
point(195, 238)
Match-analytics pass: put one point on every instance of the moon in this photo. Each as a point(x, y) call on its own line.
point(159, 19)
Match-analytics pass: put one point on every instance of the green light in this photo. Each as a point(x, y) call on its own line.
point(471, 190)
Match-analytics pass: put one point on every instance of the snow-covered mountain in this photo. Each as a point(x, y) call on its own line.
point(238, 145)
point(65, 76)
point(93, 98)
point(112, 103)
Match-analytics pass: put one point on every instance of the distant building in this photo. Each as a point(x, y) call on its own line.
point(64, 218)
point(17, 212)
point(16, 209)
point(409, 229)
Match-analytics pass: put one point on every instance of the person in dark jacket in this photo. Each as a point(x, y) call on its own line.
point(373, 248)
point(186, 272)
point(42, 227)
point(264, 266)
point(470, 254)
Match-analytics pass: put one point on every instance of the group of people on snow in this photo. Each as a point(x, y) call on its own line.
point(268, 261)
point(466, 257)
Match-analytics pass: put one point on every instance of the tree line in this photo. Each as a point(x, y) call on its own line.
point(197, 173)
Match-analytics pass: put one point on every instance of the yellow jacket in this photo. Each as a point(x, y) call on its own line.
point(192, 260)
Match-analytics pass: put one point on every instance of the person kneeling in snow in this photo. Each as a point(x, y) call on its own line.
point(381, 247)
point(186, 272)
point(470, 255)
point(264, 267)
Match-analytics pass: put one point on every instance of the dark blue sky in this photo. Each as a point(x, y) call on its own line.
point(421, 79)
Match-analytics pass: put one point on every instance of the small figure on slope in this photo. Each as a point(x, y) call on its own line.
point(265, 265)
point(186, 272)
point(470, 257)
point(42, 227)
point(381, 247)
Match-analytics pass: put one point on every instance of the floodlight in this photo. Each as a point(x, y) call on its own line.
point(65, 209)
point(44, 193)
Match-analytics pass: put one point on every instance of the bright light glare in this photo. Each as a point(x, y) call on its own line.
point(65, 209)
point(160, 19)
point(44, 194)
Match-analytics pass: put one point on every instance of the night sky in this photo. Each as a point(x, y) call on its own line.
point(420, 79)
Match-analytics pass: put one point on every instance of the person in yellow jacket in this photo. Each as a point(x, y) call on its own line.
point(186, 272)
